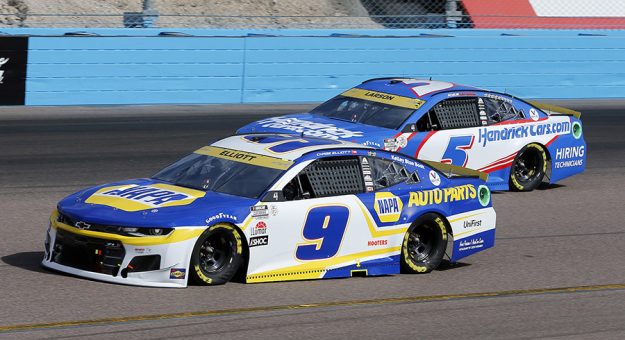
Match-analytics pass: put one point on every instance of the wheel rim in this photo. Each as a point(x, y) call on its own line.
point(527, 166)
point(215, 253)
point(421, 243)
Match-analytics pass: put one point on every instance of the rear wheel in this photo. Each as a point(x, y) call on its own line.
point(217, 255)
point(528, 169)
point(424, 245)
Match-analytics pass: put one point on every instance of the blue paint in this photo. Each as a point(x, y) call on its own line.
point(136, 66)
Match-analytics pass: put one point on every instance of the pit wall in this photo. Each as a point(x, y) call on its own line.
point(137, 66)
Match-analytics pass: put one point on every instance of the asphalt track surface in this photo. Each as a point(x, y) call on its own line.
point(556, 271)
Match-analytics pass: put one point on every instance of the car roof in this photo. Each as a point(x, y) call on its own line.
point(284, 146)
point(404, 87)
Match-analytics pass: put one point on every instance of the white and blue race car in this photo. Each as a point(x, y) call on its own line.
point(518, 143)
point(273, 207)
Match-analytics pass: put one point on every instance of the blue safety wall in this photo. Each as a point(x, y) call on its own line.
point(136, 66)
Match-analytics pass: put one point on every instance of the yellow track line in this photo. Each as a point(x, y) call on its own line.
point(107, 321)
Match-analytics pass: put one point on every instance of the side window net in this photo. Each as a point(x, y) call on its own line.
point(457, 113)
point(335, 177)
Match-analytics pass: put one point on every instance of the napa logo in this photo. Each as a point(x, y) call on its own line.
point(387, 206)
point(134, 197)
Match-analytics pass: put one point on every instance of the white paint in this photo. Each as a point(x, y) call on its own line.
point(578, 8)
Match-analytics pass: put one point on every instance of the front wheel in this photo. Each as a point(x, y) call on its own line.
point(424, 245)
point(529, 168)
point(217, 255)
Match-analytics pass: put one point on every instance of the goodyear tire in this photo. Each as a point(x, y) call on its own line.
point(529, 168)
point(217, 255)
point(424, 245)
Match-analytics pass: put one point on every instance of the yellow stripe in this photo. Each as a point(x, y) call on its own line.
point(384, 98)
point(314, 269)
point(372, 226)
point(245, 157)
point(222, 312)
point(177, 235)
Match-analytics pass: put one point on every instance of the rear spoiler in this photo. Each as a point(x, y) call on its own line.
point(551, 109)
point(453, 170)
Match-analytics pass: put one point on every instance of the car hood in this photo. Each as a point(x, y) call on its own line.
point(152, 203)
point(323, 127)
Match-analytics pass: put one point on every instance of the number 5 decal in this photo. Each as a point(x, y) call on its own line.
point(456, 152)
point(323, 230)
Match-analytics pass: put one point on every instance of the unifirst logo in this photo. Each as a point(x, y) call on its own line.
point(387, 206)
point(446, 195)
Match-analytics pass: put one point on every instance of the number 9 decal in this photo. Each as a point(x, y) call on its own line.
point(323, 231)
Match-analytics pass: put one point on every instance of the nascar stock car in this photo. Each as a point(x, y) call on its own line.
point(518, 143)
point(273, 207)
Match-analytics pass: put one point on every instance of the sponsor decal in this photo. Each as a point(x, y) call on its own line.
point(308, 128)
point(2, 62)
point(445, 195)
point(474, 243)
point(259, 241)
point(498, 97)
point(134, 197)
point(534, 114)
point(564, 155)
point(274, 210)
point(472, 223)
point(259, 229)
point(260, 211)
point(434, 178)
point(407, 161)
point(219, 217)
point(387, 206)
point(570, 152)
point(13, 60)
point(366, 172)
point(377, 243)
point(374, 144)
point(177, 273)
point(487, 135)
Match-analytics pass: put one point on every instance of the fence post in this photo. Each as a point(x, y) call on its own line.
point(452, 14)
point(149, 14)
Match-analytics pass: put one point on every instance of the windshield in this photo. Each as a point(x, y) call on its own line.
point(209, 173)
point(364, 111)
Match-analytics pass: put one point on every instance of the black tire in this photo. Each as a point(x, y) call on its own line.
point(217, 255)
point(424, 245)
point(529, 168)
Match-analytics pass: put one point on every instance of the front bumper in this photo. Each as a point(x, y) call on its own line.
point(153, 261)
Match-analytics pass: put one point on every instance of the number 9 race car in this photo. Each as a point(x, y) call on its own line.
point(518, 143)
point(271, 207)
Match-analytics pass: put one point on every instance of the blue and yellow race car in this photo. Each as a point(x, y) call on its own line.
point(517, 142)
point(273, 207)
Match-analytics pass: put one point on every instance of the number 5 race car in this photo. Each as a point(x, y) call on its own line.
point(516, 142)
point(272, 207)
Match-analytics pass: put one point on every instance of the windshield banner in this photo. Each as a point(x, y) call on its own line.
point(384, 98)
point(245, 157)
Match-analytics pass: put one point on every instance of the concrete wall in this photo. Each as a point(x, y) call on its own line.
point(137, 66)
